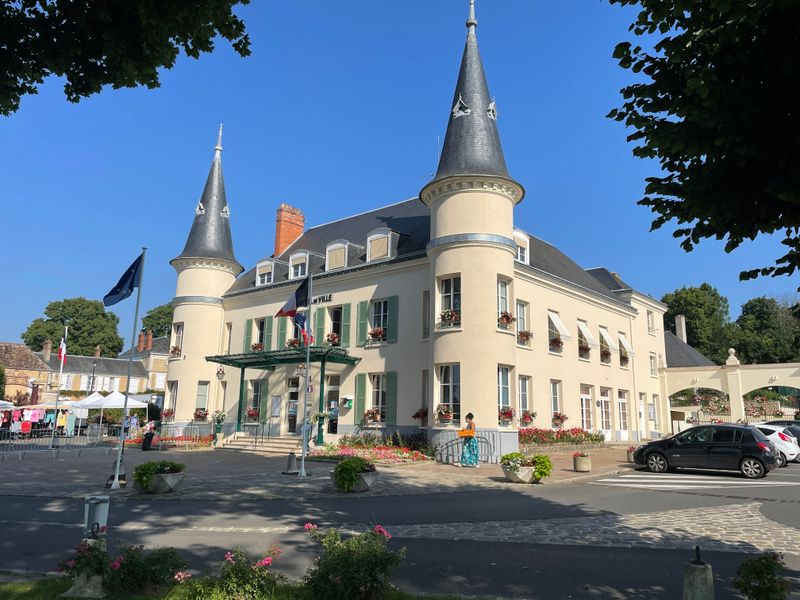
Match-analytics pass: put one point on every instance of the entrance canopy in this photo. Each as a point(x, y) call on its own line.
point(289, 356)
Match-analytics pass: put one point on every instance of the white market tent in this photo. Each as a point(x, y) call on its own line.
point(6, 405)
point(113, 400)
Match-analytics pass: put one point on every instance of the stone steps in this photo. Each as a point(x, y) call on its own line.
point(276, 445)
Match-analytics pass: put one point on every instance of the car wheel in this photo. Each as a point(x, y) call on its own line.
point(780, 460)
point(657, 463)
point(752, 468)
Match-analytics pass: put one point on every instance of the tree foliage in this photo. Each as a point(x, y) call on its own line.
point(158, 320)
point(767, 332)
point(707, 318)
point(93, 44)
point(89, 326)
point(718, 109)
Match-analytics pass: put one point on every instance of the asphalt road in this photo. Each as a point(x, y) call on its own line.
point(38, 531)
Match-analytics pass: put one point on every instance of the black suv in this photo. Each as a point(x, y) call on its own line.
point(731, 447)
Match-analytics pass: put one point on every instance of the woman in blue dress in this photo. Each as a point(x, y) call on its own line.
point(469, 454)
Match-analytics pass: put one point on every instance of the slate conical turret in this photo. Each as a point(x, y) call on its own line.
point(210, 236)
point(472, 144)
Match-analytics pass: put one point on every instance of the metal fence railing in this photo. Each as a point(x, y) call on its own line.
point(183, 435)
point(41, 439)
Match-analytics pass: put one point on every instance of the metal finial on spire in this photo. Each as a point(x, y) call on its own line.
point(472, 22)
point(218, 147)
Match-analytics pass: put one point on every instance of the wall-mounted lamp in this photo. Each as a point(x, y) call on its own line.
point(220, 373)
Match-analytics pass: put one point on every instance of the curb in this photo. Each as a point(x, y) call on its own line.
point(587, 477)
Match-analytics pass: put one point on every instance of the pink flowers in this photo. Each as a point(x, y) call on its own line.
point(182, 576)
point(70, 564)
point(264, 562)
point(381, 531)
point(310, 527)
point(229, 557)
point(115, 565)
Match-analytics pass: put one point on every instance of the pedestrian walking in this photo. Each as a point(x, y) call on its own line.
point(469, 453)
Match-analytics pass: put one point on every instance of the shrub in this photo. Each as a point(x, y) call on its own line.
point(137, 569)
point(90, 558)
point(542, 465)
point(345, 474)
point(143, 473)
point(241, 577)
point(576, 435)
point(759, 578)
point(356, 568)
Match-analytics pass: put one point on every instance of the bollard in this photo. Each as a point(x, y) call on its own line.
point(291, 465)
point(698, 580)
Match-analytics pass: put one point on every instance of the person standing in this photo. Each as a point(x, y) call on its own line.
point(469, 453)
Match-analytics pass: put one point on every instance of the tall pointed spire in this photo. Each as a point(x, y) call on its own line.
point(210, 236)
point(472, 144)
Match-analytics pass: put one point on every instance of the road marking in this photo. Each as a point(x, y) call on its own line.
point(660, 481)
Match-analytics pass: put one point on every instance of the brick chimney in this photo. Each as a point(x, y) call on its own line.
point(47, 348)
point(680, 328)
point(289, 223)
point(97, 351)
point(148, 343)
point(140, 342)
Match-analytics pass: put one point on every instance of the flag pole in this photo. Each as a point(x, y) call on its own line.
point(115, 483)
point(58, 392)
point(302, 472)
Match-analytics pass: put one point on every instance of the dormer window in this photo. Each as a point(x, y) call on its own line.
point(264, 273)
point(336, 256)
point(378, 245)
point(522, 242)
point(298, 265)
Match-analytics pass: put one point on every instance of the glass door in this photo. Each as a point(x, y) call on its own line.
point(293, 386)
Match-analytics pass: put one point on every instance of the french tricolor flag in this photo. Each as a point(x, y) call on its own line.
point(62, 352)
point(298, 300)
point(302, 324)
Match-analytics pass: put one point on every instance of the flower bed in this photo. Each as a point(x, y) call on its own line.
point(186, 441)
point(379, 454)
point(548, 437)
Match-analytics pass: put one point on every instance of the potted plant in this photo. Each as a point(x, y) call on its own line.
point(200, 414)
point(372, 415)
point(559, 419)
point(444, 414)
point(219, 418)
point(581, 461)
point(421, 414)
point(252, 413)
point(332, 339)
point(527, 417)
point(87, 567)
point(624, 360)
point(354, 474)
point(519, 468)
point(584, 349)
point(376, 334)
point(631, 450)
point(524, 337)
point(292, 343)
point(556, 344)
point(605, 355)
point(449, 317)
point(505, 414)
point(167, 414)
point(175, 351)
point(505, 319)
point(158, 476)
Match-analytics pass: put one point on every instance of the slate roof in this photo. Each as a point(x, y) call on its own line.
point(210, 236)
point(681, 354)
point(19, 356)
point(472, 144)
point(160, 346)
point(609, 279)
point(117, 367)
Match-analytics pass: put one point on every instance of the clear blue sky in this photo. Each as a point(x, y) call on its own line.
point(337, 111)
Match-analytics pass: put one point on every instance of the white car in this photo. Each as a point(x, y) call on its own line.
point(786, 445)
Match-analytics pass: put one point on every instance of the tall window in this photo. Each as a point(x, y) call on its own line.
point(586, 407)
point(584, 349)
point(450, 298)
point(605, 408)
point(502, 296)
point(653, 365)
point(379, 316)
point(522, 249)
point(177, 337)
point(172, 386)
point(264, 275)
point(450, 388)
point(652, 410)
point(257, 392)
point(522, 388)
point(424, 391)
point(261, 326)
point(228, 330)
point(426, 314)
point(160, 381)
point(503, 392)
point(202, 395)
point(554, 339)
point(379, 393)
point(335, 318)
point(622, 406)
point(298, 266)
point(523, 335)
point(651, 322)
point(555, 396)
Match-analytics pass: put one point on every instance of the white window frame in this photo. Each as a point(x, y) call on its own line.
point(450, 300)
point(522, 250)
point(583, 327)
point(335, 246)
point(606, 415)
point(161, 380)
point(522, 316)
point(651, 322)
point(556, 321)
point(450, 387)
point(523, 392)
point(586, 407)
point(197, 395)
point(555, 396)
point(503, 296)
point(622, 410)
point(261, 331)
point(654, 403)
point(294, 262)
point(177, 335)
point(503, 386)
point(378, 393)
point(606, 337)
point(257, 387)
point(653, 365)
point(264, 276)
point(172, 388)
point(379, 315)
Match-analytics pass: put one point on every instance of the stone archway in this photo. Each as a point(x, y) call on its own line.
point(695, 405)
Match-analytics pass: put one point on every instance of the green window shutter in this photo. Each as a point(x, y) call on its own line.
point(281, 334)
point(263, 410)
point(345, 340)
point(361, 330)
point(391, 397)
point(248, 333)
point(268, 333)
point(319, 326)
point(391, 324)
point(361, 397)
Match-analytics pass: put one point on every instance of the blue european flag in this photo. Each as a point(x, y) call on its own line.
point(130, 279)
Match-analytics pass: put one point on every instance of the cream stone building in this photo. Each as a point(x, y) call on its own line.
point(441, 299)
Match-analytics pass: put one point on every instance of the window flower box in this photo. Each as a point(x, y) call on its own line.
point(559, 419)
point(605, 355)
point(556, 344)
point(524, 337)
point(584, 350)
point(506, 414)
point(376, 335)
point(332, 339)
point(449, 318)
point(624, 360)
point(167, 414)
point(201, 414)
point(257, 347)
point(505, 319)
point(444, 413)
point(292, 343)
point(421, 414)
point(252, 414)
point(527, 417)
point(372, 415)
point(175, 351)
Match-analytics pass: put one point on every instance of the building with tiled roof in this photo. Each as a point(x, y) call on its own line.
point(24, 370)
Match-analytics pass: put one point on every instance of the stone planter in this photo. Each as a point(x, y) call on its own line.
point(582, 464)
point(630, 456)
point(505, 422)
point(522, 475)
point(163, 483)
point(365, 481)
point(86, 586)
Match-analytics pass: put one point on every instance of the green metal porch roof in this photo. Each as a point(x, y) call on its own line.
point(272, 358)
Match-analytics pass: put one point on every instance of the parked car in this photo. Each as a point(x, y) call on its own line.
point(793, 430)
point(732, 447)
point(785, 444)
